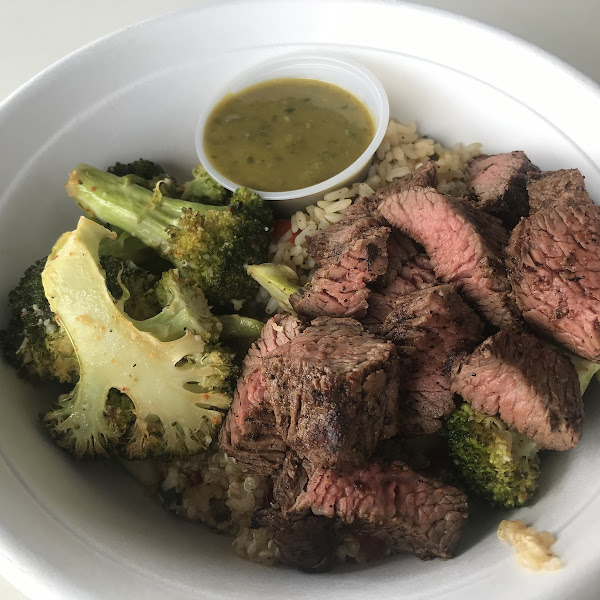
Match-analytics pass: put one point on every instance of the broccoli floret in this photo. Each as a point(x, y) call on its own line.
point(204, 189)
point(144, 172)
point(128, 247)
point(496, 464)
point(279, 280)
point(585, 371)
point(210, 245)
point(33, 342)
point(184, 309)
point(125, 277)
point(177, 390)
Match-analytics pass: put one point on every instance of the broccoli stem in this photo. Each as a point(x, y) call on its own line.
point(120, 202)
point(279, 280)
point(237, 326)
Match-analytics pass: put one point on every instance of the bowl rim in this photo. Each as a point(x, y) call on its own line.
point(38, 575)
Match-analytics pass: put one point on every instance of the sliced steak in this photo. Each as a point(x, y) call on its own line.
point(498, 184)
point(290, 482)
point(308, 544)
point(428, 327)
point(533, 388)
point(351, 256)
point(464, 246)
point(411, 512)
point(554, 266)
point(551, 188)
point(400, 250)
point(414, 274)
point(249, 433)
point(423, 176)
point(333, 390)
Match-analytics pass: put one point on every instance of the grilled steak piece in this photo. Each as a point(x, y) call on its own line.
point(415, 274)
point(533, 388)
point(400, 250)
point(334, 391)
point(423, 176)
point(554, 267)
point(464, 246)
point(428, 327)
point(551, 188)
point(249, 433)
point(498, 184)
point(351, 256)
point(290, 482)
point(308, 544)
point(411, 512)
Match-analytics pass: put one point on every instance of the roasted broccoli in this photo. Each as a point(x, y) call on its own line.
point(37, 346)
point(279, 280)
point(496, 464)
point(145, 173)
point(137, 394)
point(33, 343)
point(210, 245)
point(203, 188)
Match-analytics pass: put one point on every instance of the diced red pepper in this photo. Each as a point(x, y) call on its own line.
point(280, 227)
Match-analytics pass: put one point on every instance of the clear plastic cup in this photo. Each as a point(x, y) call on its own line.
point(352, 77)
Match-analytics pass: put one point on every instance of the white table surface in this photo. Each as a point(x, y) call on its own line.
point(36, 33)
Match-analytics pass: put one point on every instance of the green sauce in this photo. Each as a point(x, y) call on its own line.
point(287, 134)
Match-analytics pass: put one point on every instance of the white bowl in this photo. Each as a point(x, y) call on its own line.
point(352, 77)
point(87, 531)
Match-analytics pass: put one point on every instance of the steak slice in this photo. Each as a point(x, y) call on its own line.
point(334, 391)
point(551, 188)
point(533, 388)
point(410, 512)
point(464, 246)
point(400, 250)
point(308, 544)
point(423, 176)
point(554, 267)
point(351, 255)
point(428, 327)
point(415, 274)
point(498, 184)
point(249, 433)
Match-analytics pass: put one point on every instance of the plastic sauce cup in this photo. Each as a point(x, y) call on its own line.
point(354, 78)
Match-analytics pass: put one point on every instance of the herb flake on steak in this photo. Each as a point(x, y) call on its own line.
point(528, 384)
point(498, 184)
point(554, 267)
point(333, 390)
point(464, 245)
point(428, 327)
